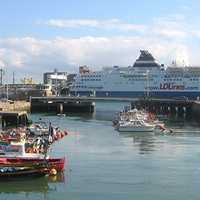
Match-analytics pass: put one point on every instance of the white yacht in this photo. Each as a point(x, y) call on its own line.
point(135, 126)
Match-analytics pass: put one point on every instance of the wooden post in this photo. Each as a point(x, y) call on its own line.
point(60, 108)
point(3, 122)
point(17, 122)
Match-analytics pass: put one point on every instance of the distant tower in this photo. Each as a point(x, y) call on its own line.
point(1, 76)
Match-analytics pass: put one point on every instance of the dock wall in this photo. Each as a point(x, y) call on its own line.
point(196, 110)
point(166, 106)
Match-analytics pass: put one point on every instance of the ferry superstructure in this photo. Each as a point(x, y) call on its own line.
point(145, 78)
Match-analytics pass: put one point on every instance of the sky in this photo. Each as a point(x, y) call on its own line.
point(40, 35)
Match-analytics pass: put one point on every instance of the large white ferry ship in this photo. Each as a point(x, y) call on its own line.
point(145, 78)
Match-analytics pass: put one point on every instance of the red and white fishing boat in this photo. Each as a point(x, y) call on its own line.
point(14, 162)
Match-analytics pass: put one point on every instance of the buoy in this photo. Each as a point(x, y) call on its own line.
point(62, 134)
point(53, 171)
point(58, 135)
point(52, 178)
point(66, 133)
point(55, 137)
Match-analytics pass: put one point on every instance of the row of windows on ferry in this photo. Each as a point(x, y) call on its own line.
point(79, 86)
point(90, 79)
point(144, 79)
point(97, 77)
point(180, 79)
point(90, 76)
point(150, 79)
point(182, 75)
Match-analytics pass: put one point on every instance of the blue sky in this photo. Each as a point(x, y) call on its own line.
point(19, 18)
point(39, 35)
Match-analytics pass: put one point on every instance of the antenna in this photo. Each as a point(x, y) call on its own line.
point(183, 63)
point(13, 78)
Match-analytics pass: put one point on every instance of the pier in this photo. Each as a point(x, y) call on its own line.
point(64, 104)
point(61, 104)
point(196, 110)
point(168, 106)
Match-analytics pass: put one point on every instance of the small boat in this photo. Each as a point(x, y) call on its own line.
point(161, 129)
point(14, 162)
point(16, 150)
point(21, 157)
point(50, 163)
point(135, 126)
point(134, 120)
point(8, 172)
point(39, 128)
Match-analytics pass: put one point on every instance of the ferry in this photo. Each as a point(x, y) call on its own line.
point(145, 78)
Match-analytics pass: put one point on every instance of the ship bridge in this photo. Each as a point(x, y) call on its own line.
point(146, 60)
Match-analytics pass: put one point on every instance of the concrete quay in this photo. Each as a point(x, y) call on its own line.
point(14, 106)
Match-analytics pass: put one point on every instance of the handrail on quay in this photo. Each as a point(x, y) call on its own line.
point(129, 99)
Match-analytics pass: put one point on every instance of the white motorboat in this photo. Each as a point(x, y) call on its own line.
point(135, 126)
point(39, 128)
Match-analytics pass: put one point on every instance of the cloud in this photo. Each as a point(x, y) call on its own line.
point(92, 23)
point(196, 33)
point(169, 26)
point(169, 33)
point(167, 38)
point(185, 8)
point(33, 56)
point(172, 26)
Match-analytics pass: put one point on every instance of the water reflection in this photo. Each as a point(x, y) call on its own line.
point(97, 115)
point(25, 185)
point(144, 141)
point(40, 184)
point(59, 178)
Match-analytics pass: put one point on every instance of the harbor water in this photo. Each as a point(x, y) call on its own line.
point(103, 164)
